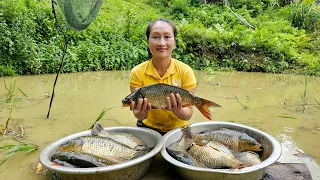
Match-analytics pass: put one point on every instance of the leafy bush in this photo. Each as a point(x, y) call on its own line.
point(305, 16)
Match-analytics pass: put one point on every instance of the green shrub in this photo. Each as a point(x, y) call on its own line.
point(7, 71)
point(305, 16)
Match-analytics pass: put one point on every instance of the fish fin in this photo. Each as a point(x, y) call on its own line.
point(55, 164)
point(187, 105)
point(243, 165)
point(140, 148)
point(186, 130)
point(154, 107)
point(142, 152)
point(203, 107)
point(147, 149)
point(98, 130)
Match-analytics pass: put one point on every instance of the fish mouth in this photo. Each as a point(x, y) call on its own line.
point(125, 105)
point(257, 148)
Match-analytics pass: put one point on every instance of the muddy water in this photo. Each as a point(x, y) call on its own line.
point(269, 102)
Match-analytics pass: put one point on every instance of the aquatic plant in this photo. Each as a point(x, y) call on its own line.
point(6, 126)
point(100, 116)
point(317, 101)
point(288, 117)
point(10, 91)
point(9, 98)
point(304, 104)
point(238, 100)
point(14, 148)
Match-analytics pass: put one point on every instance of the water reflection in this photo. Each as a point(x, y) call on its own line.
point(269, 102)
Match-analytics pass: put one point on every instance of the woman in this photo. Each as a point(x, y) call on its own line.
point(162, 68)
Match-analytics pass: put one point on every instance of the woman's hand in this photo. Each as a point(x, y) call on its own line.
point(174, 104)
point(140, 110)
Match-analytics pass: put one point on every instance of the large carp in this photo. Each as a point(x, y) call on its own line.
point(209, 155)
point(157, 93)
point(235, 140)
point(102, 147)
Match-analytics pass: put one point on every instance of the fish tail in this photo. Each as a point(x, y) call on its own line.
point(186, 130)
point(98, 130)
point(203, 107)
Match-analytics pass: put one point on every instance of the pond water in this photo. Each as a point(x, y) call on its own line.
point(274, 103)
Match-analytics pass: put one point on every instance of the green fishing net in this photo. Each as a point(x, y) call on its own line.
point(79, 14)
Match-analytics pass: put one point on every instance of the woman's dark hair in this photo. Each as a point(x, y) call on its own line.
point(151, 25)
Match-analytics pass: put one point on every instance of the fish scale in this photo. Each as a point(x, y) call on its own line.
point(248, 157)
point(104, 147)
point(213, 158)
point(157, 93)
point(220, 147)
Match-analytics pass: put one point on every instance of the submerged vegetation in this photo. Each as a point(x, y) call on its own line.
point(9, 103)
point(285, 39)
point(303, 96)
point(12, 149)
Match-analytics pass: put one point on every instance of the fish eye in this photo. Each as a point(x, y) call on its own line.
point(191, 145)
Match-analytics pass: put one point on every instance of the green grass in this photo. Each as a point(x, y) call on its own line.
point(103, 112)
point(12, 149)
point(9, 99)
point(238, 100)
point(10, 90)
point(304, 98)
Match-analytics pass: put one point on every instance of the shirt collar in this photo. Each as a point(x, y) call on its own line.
point(152, 71)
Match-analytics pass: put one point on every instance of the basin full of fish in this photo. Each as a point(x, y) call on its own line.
point(113, 153)
point(220, 150)
point(216, 149)
point(99, 149)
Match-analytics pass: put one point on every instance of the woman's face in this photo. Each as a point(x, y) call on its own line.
point(161, 40)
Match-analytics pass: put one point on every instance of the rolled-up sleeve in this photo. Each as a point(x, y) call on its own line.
point(189, 79)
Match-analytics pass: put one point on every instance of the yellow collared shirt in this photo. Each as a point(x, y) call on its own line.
point(178, 74)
